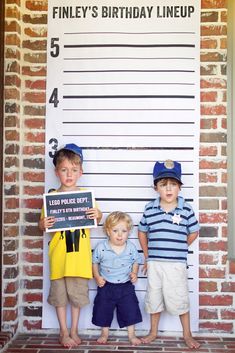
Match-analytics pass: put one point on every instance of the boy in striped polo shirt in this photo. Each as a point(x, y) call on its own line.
point(167, 227)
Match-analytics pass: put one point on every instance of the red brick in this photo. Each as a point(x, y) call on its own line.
point(216, 327)
point(11, 287)
point(33, 244)
point(32, 297)
point(34, 97)
point(213, 4)
point(34, 177)
point(32, 325)
point(36, 5)
point(219, 245)
point(207, 43)
point(214, 82)
point(213, 30)
point(228, 314)
point(33, 203)
point(34, 271)
point(208, 314)
point(208, 259)
point(209, 151)
point(38, 84)
point(228, 287)
point(35, 123)
point(205, 286)
point(33, 190)
point(211, 272)
point(35, 137)
point(10, 301)
point(232, 267)
point(218, 300)
point(213, 218)
point(213, 110)
point(10, 315)
point(32, 257)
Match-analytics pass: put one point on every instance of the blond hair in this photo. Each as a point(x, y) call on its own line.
point(69, 155)
point(114, 218)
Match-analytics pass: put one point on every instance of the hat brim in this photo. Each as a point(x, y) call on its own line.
point(167, 175)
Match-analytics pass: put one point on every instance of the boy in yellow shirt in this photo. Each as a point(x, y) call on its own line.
point(69, 270)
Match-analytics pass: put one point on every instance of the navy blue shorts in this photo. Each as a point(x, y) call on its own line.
point(120, 296)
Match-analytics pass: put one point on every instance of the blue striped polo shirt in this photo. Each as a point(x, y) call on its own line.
point(167, 232)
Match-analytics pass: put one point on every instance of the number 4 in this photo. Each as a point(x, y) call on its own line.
point(54, 97)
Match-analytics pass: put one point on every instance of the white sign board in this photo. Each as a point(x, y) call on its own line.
point(123, 84)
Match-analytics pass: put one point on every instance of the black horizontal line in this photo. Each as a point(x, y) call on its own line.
point(135, 135)
point(132, 122)
point(130, 58)
point(107, 173)
point(128, 83)
point(138, 148)
point(102, 71)
point(132, 109)
point(112, 45)
point(133, 199)
point(128, 97)
point(134, 33)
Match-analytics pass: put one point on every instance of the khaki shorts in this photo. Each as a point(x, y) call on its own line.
point(167, 288)
point(73, 290)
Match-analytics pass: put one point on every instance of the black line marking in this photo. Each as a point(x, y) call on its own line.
point(102, 71)
point(129, 58)
point(127, 33)
point(128, 97)
point(132, 122)
point(141, 109)
point(138, 148)
point(128, 83)
point(122, 45)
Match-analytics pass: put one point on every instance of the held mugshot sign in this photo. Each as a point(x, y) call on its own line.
point(123, 83)
point(69, 210)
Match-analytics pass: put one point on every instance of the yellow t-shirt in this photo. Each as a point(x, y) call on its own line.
point(70, 253)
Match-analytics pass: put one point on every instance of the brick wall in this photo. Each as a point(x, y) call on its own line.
point(25, 77)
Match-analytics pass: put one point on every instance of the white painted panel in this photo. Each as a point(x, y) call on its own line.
point(128, 94)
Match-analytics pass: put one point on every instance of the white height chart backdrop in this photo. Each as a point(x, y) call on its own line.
point(123, 83)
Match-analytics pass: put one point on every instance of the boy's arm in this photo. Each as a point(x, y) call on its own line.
point(143, 242)
point(192, 237)
point(144, 245)
point(100, 281)
point(134, 273)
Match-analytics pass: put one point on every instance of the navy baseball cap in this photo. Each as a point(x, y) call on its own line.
point(167, 169)
point(69, 147)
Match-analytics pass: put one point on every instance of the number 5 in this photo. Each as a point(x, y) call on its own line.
point(55, 46)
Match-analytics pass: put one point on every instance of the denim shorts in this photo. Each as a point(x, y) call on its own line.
point(120, 296)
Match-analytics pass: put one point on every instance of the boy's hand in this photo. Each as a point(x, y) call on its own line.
point(100, 281)
point(46, 222)
point(133, 277)
point(144, 268)
point(94, 213)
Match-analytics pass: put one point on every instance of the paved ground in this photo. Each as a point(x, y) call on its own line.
point(48, 343)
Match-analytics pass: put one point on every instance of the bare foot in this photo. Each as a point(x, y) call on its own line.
point(148, 339)
point(191, 342)
point(67, 341)
point(76, 338)
point(135, 341)
point(102, 339)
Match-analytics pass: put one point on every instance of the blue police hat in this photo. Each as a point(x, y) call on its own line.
point(69, 147)
point(167, 169)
